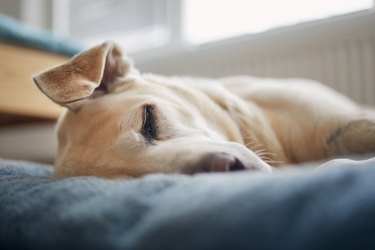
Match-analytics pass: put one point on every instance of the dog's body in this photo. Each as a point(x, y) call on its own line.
point(120, 123)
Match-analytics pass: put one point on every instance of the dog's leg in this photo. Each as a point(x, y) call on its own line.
point(354, 137)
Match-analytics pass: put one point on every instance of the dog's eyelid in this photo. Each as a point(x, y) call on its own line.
point(133, 120)
point(149, 126)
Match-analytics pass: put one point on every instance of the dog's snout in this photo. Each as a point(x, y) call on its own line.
point(222, 162)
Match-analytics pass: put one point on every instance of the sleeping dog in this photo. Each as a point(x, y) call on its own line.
point(120, 123)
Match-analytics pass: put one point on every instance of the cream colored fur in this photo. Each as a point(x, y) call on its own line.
point(202, 124)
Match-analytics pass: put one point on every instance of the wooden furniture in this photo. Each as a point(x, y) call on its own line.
point(19, 96)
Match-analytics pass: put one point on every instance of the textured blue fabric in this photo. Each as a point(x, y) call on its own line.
point(14, 32)
point(291, 209)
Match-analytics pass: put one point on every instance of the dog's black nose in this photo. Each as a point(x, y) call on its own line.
point(237, 165)
point(222, 162)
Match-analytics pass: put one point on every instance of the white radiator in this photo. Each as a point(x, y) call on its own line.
point(339, 52)
point(347, 65)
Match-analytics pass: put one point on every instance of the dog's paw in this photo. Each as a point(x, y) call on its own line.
point(356, 137)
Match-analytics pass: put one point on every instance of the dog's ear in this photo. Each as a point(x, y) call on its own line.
point(93, 70)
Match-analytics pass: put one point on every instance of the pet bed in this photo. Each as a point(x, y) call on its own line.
point(331, 208)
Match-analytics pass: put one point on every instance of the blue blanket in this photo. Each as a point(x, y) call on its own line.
point(332, 208)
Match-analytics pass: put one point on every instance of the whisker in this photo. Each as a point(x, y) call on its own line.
point(267, 154)
point(274, 163)
point(266, 159)
point(263, 150)
point(260, 150)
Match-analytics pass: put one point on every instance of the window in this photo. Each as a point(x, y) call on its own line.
point(136, 24)
point(209, 20)
point(140, 25)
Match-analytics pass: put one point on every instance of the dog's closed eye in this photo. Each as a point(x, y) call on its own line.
point(149, 129)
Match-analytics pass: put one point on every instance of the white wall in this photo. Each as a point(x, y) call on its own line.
point(36, 13)
point(11, 8)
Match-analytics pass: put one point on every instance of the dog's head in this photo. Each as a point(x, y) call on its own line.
point(119, 123)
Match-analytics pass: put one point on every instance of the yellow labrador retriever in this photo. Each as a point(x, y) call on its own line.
point(120, 123)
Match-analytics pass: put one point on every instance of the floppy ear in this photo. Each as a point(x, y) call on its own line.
point(95, 69)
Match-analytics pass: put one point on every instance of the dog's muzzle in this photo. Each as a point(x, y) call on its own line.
point(223, 162)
